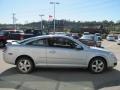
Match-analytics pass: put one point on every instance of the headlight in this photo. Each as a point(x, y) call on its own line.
point(112, 55)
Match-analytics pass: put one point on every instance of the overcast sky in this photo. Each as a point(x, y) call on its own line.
point(78, 10)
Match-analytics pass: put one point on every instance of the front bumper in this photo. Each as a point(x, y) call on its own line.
point(118, 42)
point(112, 60)
point(98, 44)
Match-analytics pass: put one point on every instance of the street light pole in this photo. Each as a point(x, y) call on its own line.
point(54, 3)
point(41, 21)
point(14, 25)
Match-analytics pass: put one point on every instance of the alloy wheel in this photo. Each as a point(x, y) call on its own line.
point(97, 66)
point(24, 65)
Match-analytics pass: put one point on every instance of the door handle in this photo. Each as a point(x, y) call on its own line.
point(52, 52)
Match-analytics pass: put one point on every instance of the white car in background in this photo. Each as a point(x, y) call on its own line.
point(110, 38)
point(118, 40)
point(57, 51)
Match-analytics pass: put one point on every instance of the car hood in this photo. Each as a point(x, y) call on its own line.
point(101, 50)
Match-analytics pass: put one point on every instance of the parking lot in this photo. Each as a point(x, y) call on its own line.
point(60, 79)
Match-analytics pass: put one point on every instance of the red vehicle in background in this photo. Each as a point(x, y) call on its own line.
point(10, 35)
point(13, 35)
point(3, 39)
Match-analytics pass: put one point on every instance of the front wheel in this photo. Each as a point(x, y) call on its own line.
point(97, 65)
point(25, 65)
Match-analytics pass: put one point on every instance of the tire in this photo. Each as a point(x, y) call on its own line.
point(97, 65)
point(25, 65)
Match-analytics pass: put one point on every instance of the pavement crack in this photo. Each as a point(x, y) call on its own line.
point(20, 85)
point(57, 86)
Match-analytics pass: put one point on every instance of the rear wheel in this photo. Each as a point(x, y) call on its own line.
point(97, 65)
point(25, 65)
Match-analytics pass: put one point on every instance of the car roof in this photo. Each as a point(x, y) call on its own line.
point(47, 36)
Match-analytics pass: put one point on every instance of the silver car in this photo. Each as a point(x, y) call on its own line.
point(110, 38)
point(57, 51)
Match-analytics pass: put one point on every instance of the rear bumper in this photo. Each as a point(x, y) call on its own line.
point(98, 44)
point(8, 58)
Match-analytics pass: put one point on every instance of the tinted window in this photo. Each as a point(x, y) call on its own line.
point(40, 42)
point(111, 36)
point(24, 41)
point(61, 42)
point(1, 33)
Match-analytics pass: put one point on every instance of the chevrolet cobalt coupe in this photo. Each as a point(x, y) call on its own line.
point(57, 51)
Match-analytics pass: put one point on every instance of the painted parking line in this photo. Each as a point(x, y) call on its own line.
point(7, 89)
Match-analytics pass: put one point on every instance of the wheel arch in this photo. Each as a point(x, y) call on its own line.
point(103, 58)
point(24, 56)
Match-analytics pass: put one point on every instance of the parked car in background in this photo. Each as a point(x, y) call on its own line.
point(58, 33)
point(3, 39)
point(76, 37)
point(91, 40)
point(32, 33)
point(98, 35)
point(86, 33)
point(57, 51)
point(13, 34)
point(118, 40)
point(110, 38)
point(98, 41)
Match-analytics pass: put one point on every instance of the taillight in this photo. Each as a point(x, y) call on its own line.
point(21, 37)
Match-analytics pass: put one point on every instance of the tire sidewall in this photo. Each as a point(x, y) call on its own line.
point(90, 66)
point(31, 63)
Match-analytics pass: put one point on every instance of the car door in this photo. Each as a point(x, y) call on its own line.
point(61, 51)
point(37, 49)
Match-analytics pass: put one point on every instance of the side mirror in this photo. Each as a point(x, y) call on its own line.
point(78, 47)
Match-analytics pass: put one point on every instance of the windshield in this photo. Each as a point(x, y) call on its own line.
point(110, 36)
point(25, 40)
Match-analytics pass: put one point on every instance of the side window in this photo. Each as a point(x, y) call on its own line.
point(61, 42)
point(40, 42)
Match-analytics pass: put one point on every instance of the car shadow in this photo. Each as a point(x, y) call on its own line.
point(112, 40)
point(67, 75)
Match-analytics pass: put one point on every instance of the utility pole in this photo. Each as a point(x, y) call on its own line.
point(41, 21)
point(14, 21)
point(54, 4)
